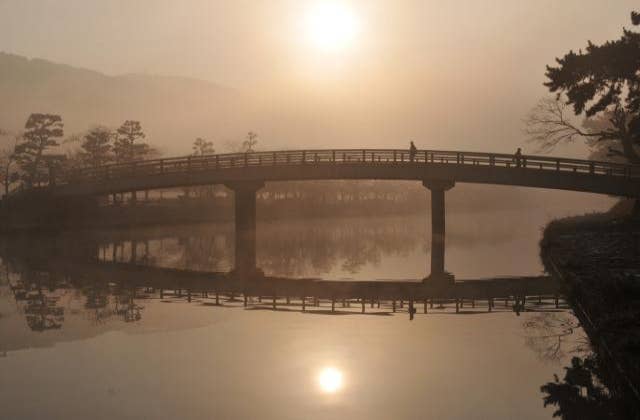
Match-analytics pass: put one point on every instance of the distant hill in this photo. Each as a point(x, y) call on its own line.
point(173, 110)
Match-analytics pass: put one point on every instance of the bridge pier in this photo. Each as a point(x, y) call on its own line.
point(245, 224)
point(437, 188)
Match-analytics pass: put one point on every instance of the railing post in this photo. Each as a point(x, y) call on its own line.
point(333, 156)
point(558, 165)
point(492, 160)
point(217, 161)
point(364, 155)
point(161, 167)
point(189, 164)
point(592, 168)
point(274, 158)
point(304, 157)
point(394, 156)
point(246, 161)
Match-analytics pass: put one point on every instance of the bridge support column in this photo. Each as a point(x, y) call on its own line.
point(438, 188)
point(245, 224)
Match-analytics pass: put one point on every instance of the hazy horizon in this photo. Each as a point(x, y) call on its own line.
point(447, 76)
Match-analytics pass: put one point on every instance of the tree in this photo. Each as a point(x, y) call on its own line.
point(601, 82)
point(250, 141)
point(581, 395)
point(129, 145)
point(7, 160)
point(202, 147)
point(96, 147)
point(40, 134)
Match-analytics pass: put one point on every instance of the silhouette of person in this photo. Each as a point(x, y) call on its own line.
point(412, 151)
point(518, 157)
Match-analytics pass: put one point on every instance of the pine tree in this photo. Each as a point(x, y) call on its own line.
point(41, 133)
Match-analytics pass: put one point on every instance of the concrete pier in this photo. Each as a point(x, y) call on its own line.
point(438, 225)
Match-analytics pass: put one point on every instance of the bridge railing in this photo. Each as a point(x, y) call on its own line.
point(189, 164)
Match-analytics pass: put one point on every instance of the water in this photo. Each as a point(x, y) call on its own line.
point(82, 342)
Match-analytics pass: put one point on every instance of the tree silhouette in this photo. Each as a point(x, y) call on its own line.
point(250, 141)
point(129, 145)
point(602, 81)
point(202, 147)
point(581, 394)
point(7, 160)
point(40, 134)
point(96, 147)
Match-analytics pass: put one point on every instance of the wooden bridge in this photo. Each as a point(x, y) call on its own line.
point(384, 164)
point(246, 173)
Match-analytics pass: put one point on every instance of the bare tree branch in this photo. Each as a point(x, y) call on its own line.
point(548, 125)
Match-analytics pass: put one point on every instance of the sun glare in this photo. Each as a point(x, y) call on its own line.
point(332, 26)
point(330, 380)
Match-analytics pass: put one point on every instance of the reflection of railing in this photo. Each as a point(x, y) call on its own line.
point(190, 164)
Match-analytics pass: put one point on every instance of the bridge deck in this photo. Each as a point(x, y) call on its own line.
point(489, 168)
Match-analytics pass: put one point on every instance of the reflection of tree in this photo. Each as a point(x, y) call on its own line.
point(303, 247)
point(203, 252)
point(97, 302)
point(551, 335)
point(42, 313)
point(127, 307)
point(581, 394)
point(39, 304)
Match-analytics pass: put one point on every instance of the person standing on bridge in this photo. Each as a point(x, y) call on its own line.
point(412, 151)
point(518, 157)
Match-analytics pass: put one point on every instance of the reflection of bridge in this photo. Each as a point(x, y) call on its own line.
point(307, 291)
point(246, 173)
point(82, 261)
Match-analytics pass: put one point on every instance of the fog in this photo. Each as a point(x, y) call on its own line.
point(450, 75)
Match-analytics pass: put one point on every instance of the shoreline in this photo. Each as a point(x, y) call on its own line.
point(596, 258)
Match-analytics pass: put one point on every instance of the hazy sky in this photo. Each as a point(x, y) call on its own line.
point(453, 70)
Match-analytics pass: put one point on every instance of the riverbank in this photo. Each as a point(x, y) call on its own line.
point(597, 258)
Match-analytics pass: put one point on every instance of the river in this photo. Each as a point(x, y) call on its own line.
point(78, 344)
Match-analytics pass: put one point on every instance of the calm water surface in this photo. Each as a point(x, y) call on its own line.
point(87, 346)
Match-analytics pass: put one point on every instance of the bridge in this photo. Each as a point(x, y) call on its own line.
point(353, 164)
point(274, 291)
point(246, 173)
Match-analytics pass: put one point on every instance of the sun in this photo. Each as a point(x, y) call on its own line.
point(332, 26)
point(330, 380)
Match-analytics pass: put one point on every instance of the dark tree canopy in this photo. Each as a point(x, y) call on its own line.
point(129, 144)
point(581, 394)
point(7, 173)
point(96, 146)
point(41, 133)
point(601, 81)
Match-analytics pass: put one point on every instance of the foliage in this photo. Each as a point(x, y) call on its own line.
point(96, 147)
point(129, 144)
point(41, 133)
point(602, 81)
point(202, 147)
point(581, 395)
point(7, 173)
